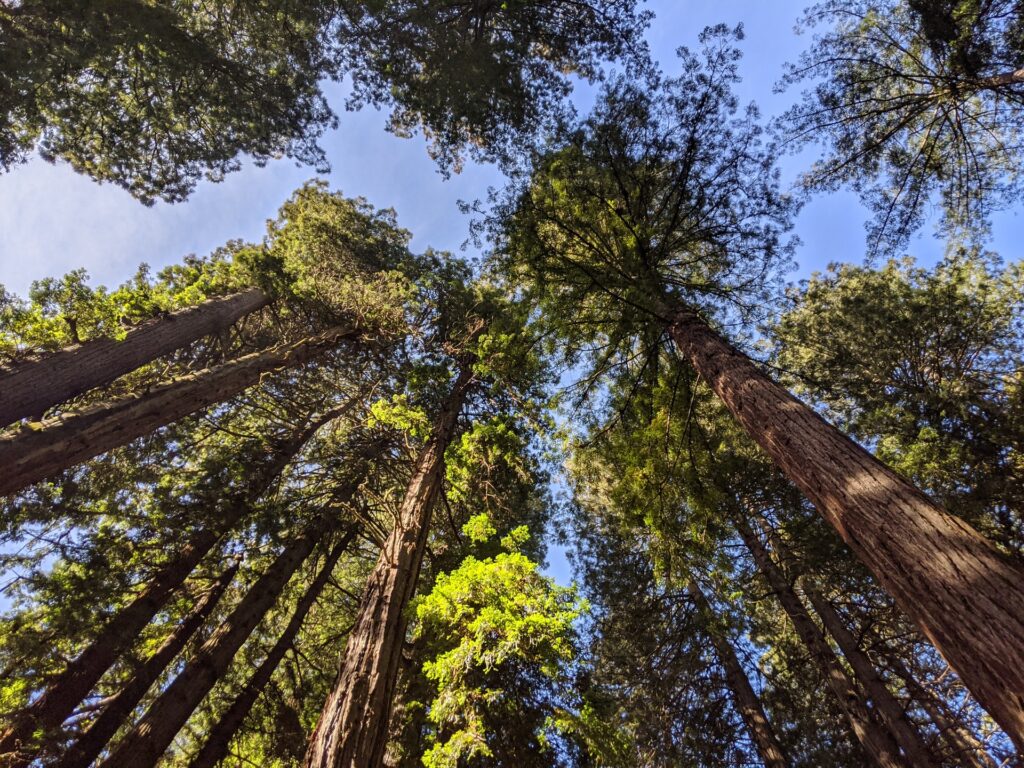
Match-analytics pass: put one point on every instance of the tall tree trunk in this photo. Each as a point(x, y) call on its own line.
point(71, 686)
point(29, 389)
point(353, 727)
point(30, 456)
point(876, 741)
point(143, 746)
point(967, 749)
point(746, 700)
point(219, 739)
point(888, 708)
point(966, 596)
point(117, 710)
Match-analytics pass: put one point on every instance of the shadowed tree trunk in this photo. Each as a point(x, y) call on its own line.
point(30, 456)
point(878, 743)
point(889, 709)
point(353, 727)
point(29, 389)
point(117, 710)
point(966, 596)
point(144, 745)
point(746, 700)
point(70, 687)
point(219, 739)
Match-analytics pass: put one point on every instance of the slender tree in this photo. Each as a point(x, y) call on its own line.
point(119, 707)
point(747, 702)
point(352, 730)
point(218, 740)
point(33, 455)
point(32, 388)
point(660, 214)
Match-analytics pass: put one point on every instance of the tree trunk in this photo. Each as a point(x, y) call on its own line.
point(353, 727)
point(876, 741)
point(30, 456)
point(217, 743)
point(965, 595)
point(70, 687)
point(746, 700)
point(117, 710)
point(886, 705)
point(143, 746)
point(29, 389)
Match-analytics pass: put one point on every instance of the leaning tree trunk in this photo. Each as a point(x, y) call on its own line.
point(746, 700)
point(71, 686)
point(29, 389)
point(889, 709)
point(353, 727)
point(876, 741)
point(32, 455)
point(144, 745)
point(216, 747)
point(966, 596)
point(117, 709)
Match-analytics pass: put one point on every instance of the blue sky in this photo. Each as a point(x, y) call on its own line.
point(53, 220)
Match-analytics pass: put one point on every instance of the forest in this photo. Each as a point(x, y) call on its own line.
point(294, 502)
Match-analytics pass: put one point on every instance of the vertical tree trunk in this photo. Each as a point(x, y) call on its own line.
point(29, 389)
point(143, 746)
point(117, 710)
point(219, 739)
point(888, 708)
point(746, 700)
point(71, 686)
point(353, 728)
point(876, 741)
point(966, 597)
point(30, 456)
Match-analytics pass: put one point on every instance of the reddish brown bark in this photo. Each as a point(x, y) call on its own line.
point(961, 591)
point(143, 746)
point(30, 389)
point(876, 741)
point(219, 739)
point(353, 727)
point(30, 456)
point(117, 710)
point(69, 688)
point(744, 697)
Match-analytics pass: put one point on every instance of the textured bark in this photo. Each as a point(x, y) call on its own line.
point(966, 596)
point(83, 752)
point(888, 708)
point(876, 741)
point(216, 747)
point(353, 727)
point(1016, 77)
point(144, 745)
point(29, 456)
point(745, 699)
point(71, 686)
point(28, 390)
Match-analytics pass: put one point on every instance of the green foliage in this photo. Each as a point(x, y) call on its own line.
point(500, 639)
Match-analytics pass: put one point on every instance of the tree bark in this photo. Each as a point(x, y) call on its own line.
point(71, 686)
point(30, 456)
point(966, 596)
point(888, 708)
point(29, 389)
point(1016, 77)
point(217, 743)
point(114, 714)
point(746, 700)
point(353, 727)
point(876, 741)
point(143, 746)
